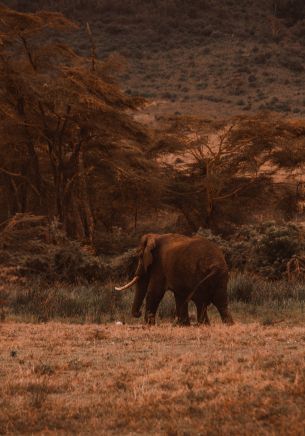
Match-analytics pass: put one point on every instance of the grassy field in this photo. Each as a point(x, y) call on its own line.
point(132, 379)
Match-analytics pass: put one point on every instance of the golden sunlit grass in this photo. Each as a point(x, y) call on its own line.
point(120, 379)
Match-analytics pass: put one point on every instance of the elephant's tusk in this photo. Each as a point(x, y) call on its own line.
point(128, 285)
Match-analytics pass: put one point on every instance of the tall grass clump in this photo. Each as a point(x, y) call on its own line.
point(251, 289)
point(91, 303)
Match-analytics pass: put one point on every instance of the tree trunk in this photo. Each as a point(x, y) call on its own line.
point(72, 203)
point(88, 220)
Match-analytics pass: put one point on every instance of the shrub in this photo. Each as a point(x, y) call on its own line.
point(260, 248)
point(72, 264)
point(291, 10)
point(31, 246)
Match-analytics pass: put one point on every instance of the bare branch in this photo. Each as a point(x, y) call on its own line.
point(93, 47)
point(17, 175)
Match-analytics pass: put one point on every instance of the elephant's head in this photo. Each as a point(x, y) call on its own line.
point(141, 277)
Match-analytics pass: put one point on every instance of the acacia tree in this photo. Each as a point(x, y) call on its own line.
point(233, 161)
point(66, 128)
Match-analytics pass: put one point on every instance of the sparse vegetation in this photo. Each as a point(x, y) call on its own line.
point(199, 42)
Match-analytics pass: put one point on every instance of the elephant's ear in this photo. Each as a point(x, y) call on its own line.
point(147, 253)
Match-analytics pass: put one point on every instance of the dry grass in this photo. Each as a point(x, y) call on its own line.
point(120, 379)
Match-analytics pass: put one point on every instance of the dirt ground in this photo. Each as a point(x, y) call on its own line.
point(119, 379)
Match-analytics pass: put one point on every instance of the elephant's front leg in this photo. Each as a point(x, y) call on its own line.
point(182, 310)
point(155, 293)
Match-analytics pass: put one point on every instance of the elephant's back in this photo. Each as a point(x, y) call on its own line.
point(192, 258)
point(204, 255)
point(206, 249)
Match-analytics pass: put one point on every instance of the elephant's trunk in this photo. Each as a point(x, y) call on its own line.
point(128, 285)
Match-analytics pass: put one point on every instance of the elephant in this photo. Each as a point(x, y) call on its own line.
point(193, 268)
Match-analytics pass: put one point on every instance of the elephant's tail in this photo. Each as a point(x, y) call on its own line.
point(206, 278)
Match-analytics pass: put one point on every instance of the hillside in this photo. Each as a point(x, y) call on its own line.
point(208, 57)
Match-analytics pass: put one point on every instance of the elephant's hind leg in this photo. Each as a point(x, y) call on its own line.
point(202, 313)
point(225, 314)
point(222, 306)
point(182, 310)
point(220, 299)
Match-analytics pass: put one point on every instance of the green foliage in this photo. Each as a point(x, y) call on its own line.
point(70, 264)
point(261, 248)
point(34, 247)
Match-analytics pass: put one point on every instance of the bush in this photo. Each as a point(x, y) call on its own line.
point(291, 10)
point(72, 264)
point(292, 63)
point(262, 248)
point(31, 246)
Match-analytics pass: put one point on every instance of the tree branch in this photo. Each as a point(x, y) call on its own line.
point(231, 194)
point(11, 174)
point(28, 52)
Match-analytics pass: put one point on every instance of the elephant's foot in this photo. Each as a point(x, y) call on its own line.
point(150, 318)
point(203, 319)
point(136, 314)
point(205, 322)
point(228, 320)
point(226, 317)
point(202, 313)
point(182, 322)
